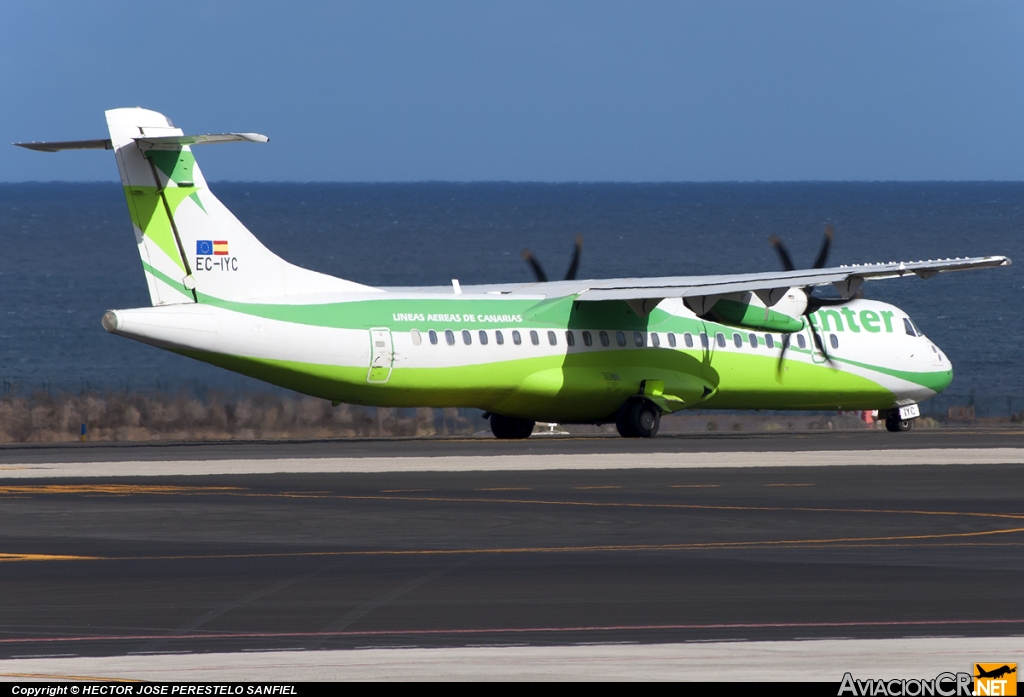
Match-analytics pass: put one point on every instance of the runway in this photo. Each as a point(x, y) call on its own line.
point(104, 565)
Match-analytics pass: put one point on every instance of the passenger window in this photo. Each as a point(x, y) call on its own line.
point(416, 338)
point(449, 336)
point(753, 340)
point(655, 341)
point(552, 338)
point(433, 336)
point(569, 339)
point(638, 338)
point(483, 337)
point(516, 338)
point(671, 339)
point(534, 338)
point(588, 340)
point(909, 327)
point(499, 339)
point(800, 341)
point(620, 338)
point(604, 338)
point(834, 340)
point(688, 340)
point(769, 341)
point(737, 340)
point(703, 340)
point(720, 338)
point(467, 338)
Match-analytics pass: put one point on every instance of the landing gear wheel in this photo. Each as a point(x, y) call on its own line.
point(894, 424)
point(509, 427)
point(638, 419)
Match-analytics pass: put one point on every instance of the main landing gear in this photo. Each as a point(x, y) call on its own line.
point(638, 418)
point(511, 428)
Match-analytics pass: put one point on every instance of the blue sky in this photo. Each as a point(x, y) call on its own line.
point(529, 91)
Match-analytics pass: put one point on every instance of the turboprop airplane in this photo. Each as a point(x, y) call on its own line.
point(623, 350)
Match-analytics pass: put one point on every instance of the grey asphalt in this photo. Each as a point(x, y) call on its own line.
point(255, 562)
point(537, 445)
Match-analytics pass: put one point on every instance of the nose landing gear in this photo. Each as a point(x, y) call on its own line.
point(894, 424)
point(902, 418)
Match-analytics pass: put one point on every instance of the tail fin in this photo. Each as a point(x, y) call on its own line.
point(193, 249)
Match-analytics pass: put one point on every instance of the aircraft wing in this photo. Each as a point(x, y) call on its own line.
point(768, 285)
point(846, 279)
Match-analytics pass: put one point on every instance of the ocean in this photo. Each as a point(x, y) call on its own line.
point(67, 254)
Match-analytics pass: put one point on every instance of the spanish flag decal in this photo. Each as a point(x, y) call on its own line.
point(220, 247)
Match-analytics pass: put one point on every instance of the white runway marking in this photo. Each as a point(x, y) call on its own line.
point(820, 660)
point(496, 463)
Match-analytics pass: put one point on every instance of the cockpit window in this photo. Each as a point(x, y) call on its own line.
point(909, 326)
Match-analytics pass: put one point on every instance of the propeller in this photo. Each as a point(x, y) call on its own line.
point(813, 304)
point(574, 265)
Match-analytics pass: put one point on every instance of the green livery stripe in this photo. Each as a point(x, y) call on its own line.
point(936, 381)
point(578, 387)
point(373, 312)
point(149, 215)
point(176, 285)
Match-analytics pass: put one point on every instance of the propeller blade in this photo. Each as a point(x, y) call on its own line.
point(782, 355)
point(820, 345)
point(538, 270)
point(787, 262)
point(819, 263)
point(570, 275)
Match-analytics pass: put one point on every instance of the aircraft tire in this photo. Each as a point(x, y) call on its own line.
point(511, 428)
point(638, 419)
point(894, 424)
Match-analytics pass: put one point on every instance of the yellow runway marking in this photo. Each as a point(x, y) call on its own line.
point(57, 676)
point(664, 547)
point(506, 488)
point(383, 491)
point(586, 488)
point(116, 489)
point(674, 506)
point(5, 556)
point(789, 485)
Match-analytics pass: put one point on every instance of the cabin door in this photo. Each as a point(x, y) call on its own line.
point(816, 355)
point(382, 355)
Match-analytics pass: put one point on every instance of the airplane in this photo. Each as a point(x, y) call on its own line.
point(995, 673)
point(623, 350)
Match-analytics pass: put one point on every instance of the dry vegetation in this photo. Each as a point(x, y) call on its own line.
point(121, 416)
point(130, 416)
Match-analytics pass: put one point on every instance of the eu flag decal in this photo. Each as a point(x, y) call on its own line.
point(204, 246)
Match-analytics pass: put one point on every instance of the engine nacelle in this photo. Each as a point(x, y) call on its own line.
point(750, 310)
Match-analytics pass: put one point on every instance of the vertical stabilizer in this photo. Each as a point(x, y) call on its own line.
point(193, 249)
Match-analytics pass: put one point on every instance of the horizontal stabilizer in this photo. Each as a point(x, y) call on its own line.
point(57, 146)
point(176, 142)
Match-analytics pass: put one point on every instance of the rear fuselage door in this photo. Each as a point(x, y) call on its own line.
point(382, 355)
